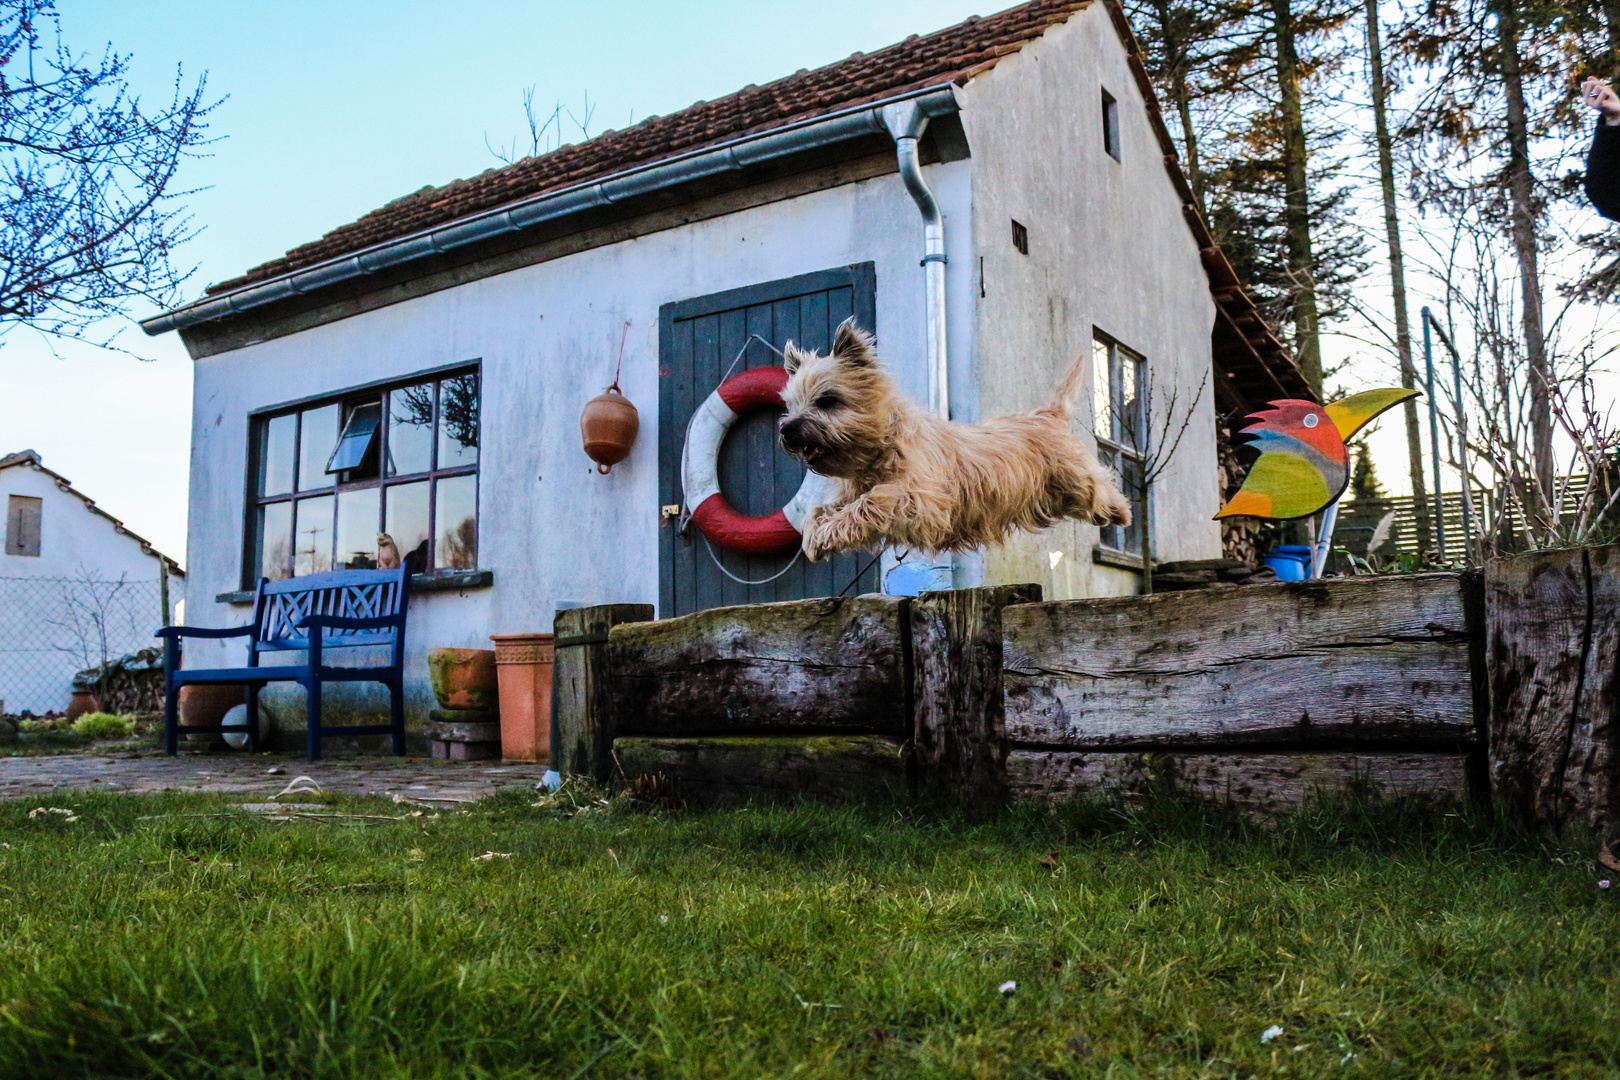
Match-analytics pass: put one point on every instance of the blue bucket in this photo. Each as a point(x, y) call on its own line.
point(1292, 562)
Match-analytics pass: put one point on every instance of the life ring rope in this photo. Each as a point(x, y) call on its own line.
point(766, 534)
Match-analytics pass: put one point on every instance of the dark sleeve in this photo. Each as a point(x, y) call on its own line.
point(1603, 171)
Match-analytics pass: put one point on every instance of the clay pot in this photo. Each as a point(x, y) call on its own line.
point(524, 663)
point(204, 705)
point(82, 703)
point(463, 678)
point(609, 425)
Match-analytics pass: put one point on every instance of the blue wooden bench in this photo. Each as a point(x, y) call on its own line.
point(341, 609)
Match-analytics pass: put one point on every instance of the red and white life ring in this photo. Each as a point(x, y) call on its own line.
point(700, 470)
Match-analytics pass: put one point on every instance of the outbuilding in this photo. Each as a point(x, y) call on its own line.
point(991, 200)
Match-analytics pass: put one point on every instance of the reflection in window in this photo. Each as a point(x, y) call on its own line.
point(410, 429)
point(402, 490)
point(317, 437)
point(357, 522)
point(458, 421)
point(312, 536)
point(408, 524)
point(457, 506)
point(1119, 420)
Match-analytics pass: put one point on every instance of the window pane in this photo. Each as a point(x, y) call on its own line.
point(275, 541)
point(1133, 431)
point(457, 513)
point(358, 517)
point(276, 455)
point(1102, 399)
point(408, 524)
point(1131, 535)
point(410, 430)
point(312, 550)
point(458, 421)
point(315, 445)
point(353, 454)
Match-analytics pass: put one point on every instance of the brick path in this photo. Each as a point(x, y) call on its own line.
point(147, 772)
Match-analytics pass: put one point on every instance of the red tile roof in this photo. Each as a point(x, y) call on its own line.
point(954, 54)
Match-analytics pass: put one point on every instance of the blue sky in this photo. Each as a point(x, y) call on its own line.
point(333, 109)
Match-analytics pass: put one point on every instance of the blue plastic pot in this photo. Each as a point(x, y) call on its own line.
point(1292, 562)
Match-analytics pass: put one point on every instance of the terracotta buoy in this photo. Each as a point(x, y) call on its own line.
point(609, 425)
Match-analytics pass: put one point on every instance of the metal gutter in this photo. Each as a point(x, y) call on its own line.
point(733, 156)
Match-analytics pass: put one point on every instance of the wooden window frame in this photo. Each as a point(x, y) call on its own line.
point(252, 562)
point(1113, 451)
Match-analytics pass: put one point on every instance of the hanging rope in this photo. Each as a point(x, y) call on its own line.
point(620, 365)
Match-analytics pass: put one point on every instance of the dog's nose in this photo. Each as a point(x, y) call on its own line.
point(793, 436)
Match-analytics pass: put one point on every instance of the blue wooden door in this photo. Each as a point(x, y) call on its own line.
point(702, 342)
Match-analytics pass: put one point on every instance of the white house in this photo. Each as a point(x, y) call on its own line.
point(992, 200)
point(76, 586)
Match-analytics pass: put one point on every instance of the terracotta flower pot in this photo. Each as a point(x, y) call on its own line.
point(82, 703)
point(463, 678)
point(609, 425)
point(205, 704)
point(524, 663)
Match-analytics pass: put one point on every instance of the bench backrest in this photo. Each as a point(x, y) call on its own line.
point(353, 594)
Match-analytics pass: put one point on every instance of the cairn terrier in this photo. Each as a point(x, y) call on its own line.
point(902, 475)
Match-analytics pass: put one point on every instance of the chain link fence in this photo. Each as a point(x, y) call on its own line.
point(52, 628)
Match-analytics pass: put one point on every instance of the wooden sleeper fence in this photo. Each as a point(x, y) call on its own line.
point(1254, 697)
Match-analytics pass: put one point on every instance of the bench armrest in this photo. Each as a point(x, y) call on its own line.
point(338, 622)
point(173, 632)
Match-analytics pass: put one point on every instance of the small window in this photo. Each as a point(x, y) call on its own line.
point(375, 478)
point(22, 525)
point(1120, 420)
point(1110, 124)
point(1020, 237)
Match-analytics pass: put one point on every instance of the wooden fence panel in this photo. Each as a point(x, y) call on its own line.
point(829, 666)
point(581, 722)
point(1553, 642)
point(835, 768)
point(1353, 662)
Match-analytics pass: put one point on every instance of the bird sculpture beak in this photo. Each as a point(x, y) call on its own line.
point(1355, 412)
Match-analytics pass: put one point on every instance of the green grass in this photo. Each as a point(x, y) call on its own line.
point(140, 939)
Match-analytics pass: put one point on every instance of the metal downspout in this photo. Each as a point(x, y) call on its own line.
point(906, 121)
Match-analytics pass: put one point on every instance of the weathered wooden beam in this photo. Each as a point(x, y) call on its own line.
point(1250, 783)
point(581, 716)
point(836, 665)
point(837, 768)
point(1553, 644)
point(958, 729)
point(1352, 662)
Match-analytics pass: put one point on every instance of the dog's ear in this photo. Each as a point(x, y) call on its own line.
point(852, 345)
point(792, 357)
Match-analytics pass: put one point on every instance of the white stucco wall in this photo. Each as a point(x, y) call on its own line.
point(552, 528)
point(46, 601)
point(1108, 248)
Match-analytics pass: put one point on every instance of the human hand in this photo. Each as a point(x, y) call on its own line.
point(1597, 94)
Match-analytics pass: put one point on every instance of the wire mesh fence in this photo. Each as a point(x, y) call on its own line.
point(54, 627)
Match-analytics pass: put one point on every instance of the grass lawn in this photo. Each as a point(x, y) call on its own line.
point(174, 936)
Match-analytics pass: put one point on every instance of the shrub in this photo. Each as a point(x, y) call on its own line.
point(100, 725)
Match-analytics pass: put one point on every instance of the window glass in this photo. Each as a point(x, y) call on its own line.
point(315, 444)
point(408, 523)
point(276, 455)
point(457, 514)
point(1130, 412)
point(275, 541)
point(312, 539)
point(410, 430)
point(358, 516)
point(1102, 398)
point(458, 421)
point(354, 455)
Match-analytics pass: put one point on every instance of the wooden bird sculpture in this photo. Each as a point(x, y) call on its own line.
point(1304, 464)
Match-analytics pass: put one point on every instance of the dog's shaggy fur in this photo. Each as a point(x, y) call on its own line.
point(933, 485)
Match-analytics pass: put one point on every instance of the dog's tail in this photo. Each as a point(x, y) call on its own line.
point(1062, 402)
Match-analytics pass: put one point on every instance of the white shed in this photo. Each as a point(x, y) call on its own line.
point(76, 587)
point(450, 338)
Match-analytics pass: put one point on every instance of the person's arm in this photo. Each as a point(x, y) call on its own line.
point(1603, 159)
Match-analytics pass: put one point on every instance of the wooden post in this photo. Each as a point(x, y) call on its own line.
point(958, 727)
point(1553, 641)
point(581, 714)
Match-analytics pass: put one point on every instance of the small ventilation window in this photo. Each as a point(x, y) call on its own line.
point(22, 525)
point(1020, 238)
point(1110, 125)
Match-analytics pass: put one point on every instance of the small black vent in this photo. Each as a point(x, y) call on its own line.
point(1020, 238)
